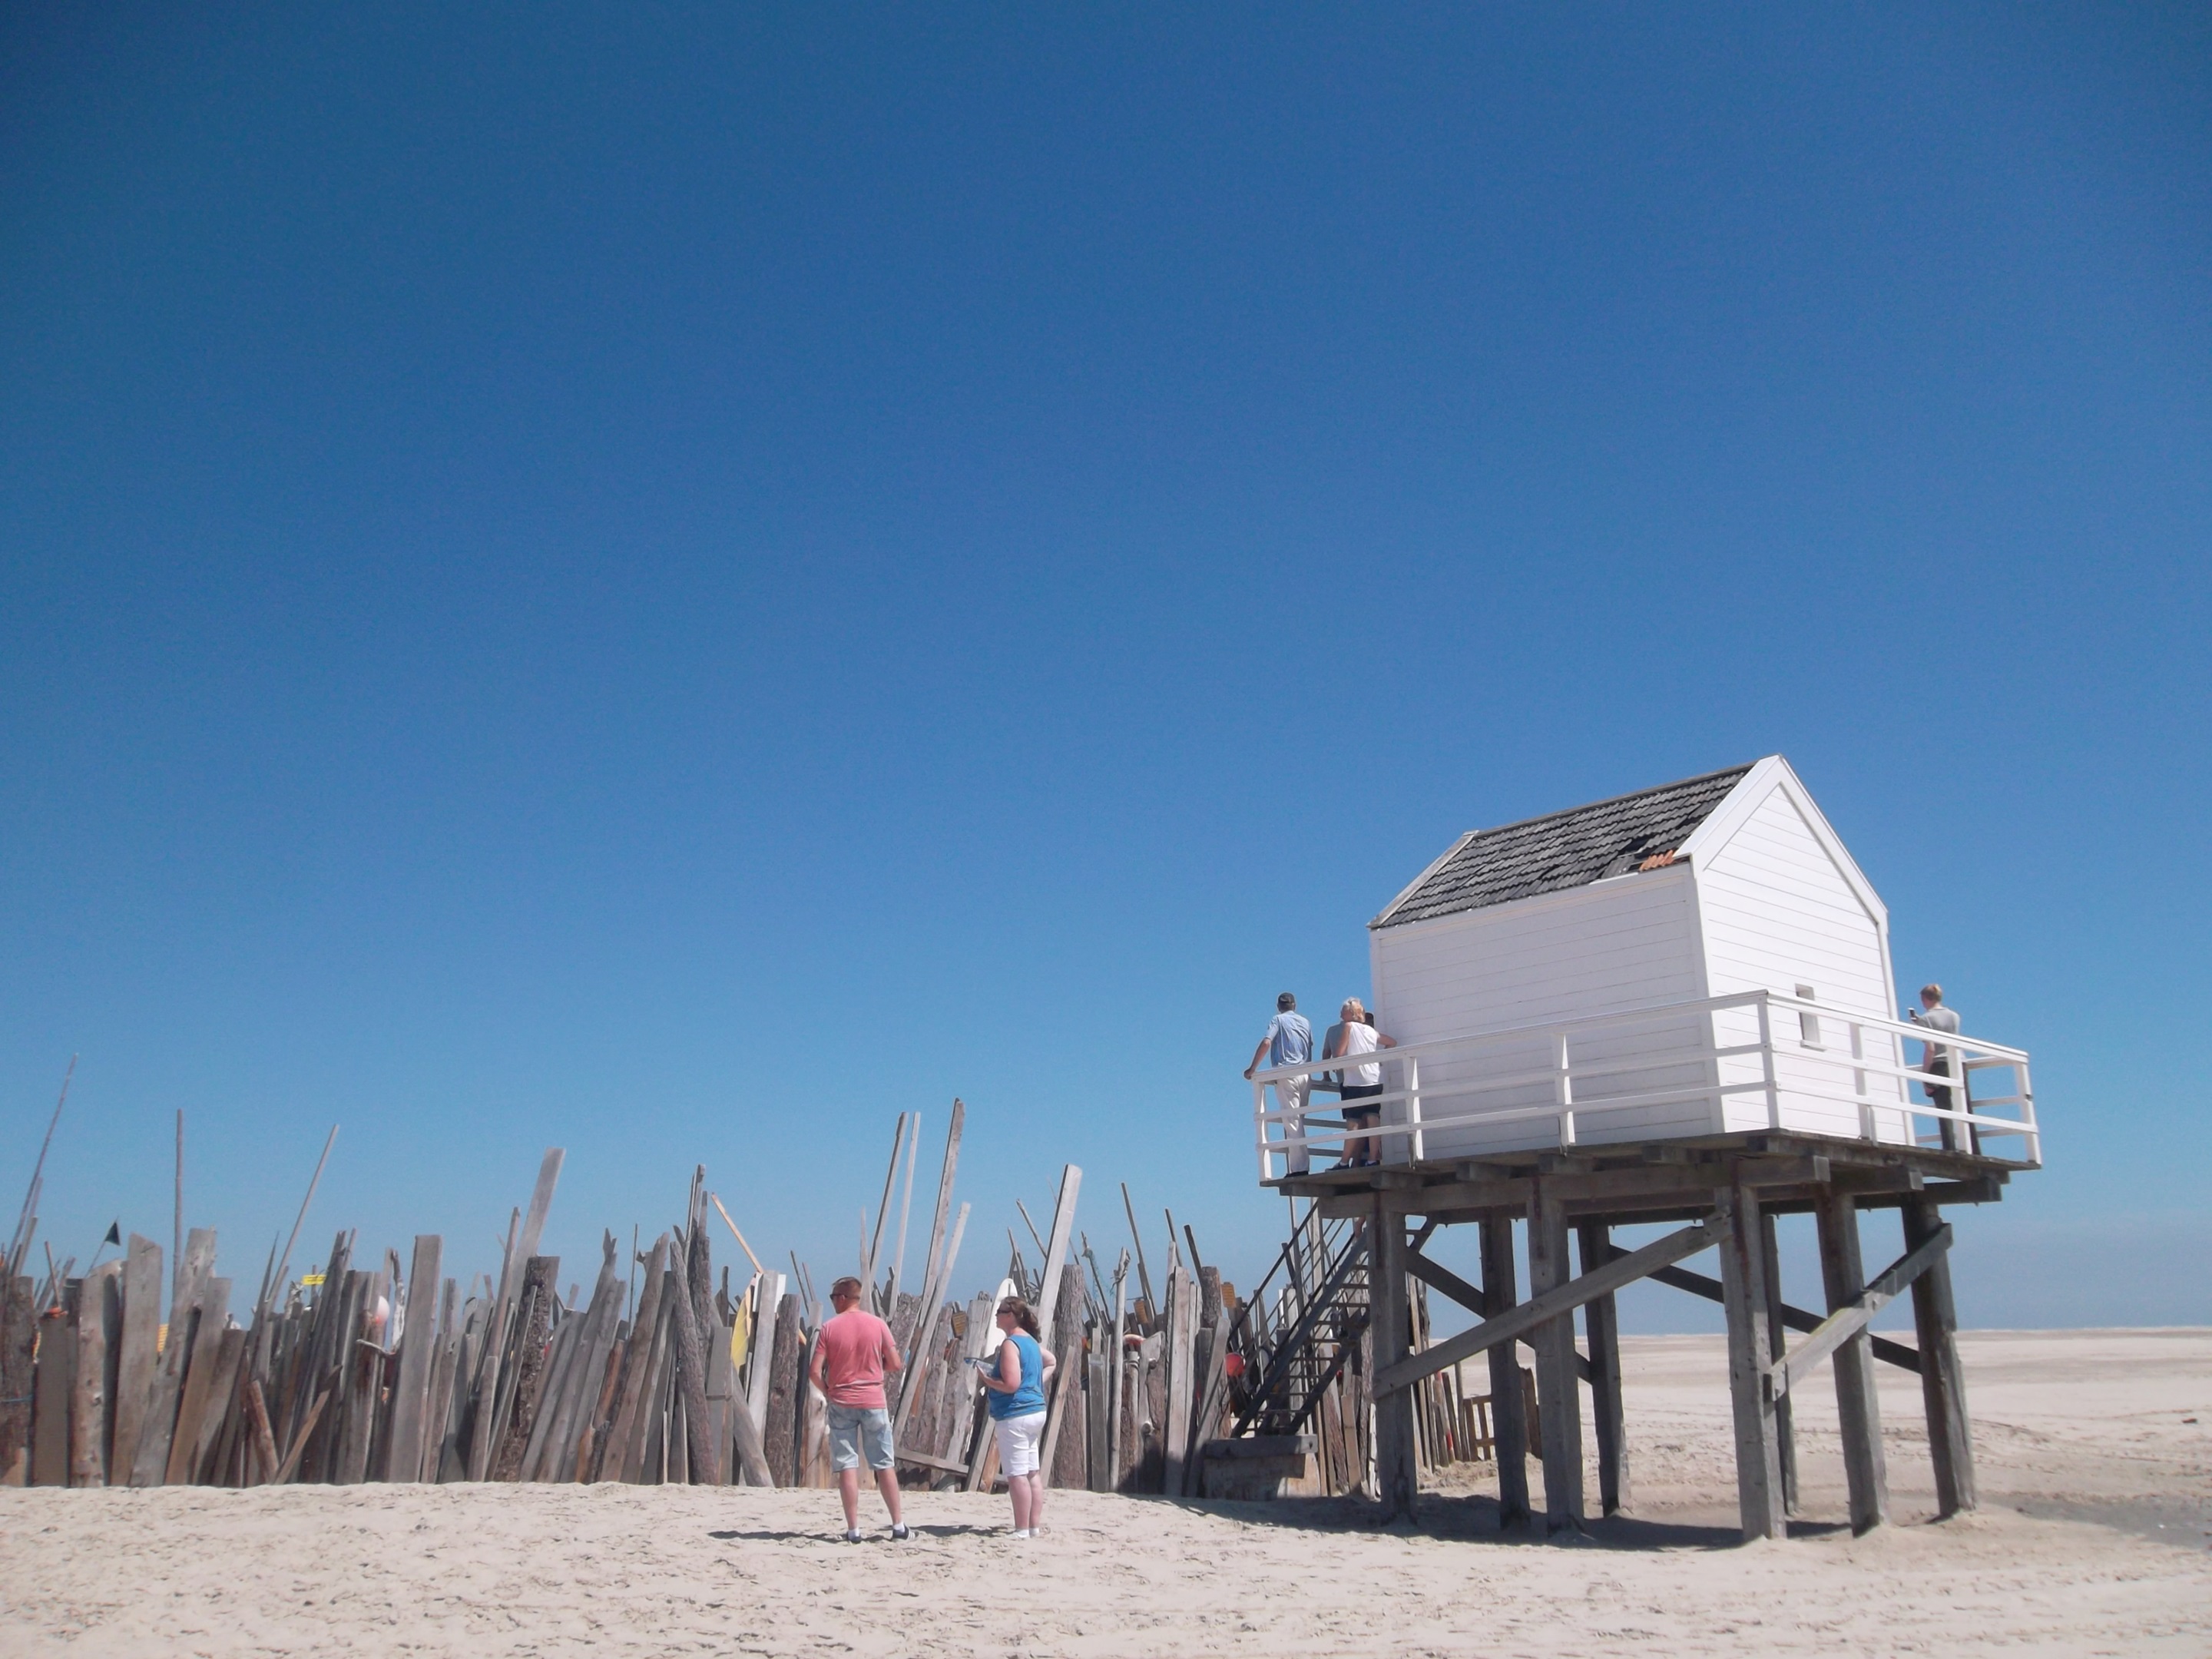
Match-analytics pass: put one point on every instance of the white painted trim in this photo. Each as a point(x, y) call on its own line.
point(1736, 810)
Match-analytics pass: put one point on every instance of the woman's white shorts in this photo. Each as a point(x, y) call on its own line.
point(1019, 1438)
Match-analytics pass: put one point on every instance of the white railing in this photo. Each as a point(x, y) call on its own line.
point(1858, 1068)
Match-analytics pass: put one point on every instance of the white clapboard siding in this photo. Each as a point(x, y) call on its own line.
point(1777, 912)
point(1609, 948)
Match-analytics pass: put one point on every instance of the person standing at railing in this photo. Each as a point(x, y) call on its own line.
point(1358, 1035)
point(1935, 1058)
point(1289, 1042)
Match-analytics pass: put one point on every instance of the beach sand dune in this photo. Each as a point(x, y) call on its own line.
point(2096, 1487)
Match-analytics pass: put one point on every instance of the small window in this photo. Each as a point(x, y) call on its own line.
point(1808, 1024)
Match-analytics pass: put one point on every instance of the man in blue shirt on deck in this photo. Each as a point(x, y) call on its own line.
point(1289, 1042)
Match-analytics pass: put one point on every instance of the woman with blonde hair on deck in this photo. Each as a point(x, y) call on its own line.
point(1016, 1378)
point(1358, 1035)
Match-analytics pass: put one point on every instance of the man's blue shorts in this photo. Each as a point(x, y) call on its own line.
point(855, 1431)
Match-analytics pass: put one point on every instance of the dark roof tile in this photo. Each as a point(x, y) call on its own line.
point(1561, 850)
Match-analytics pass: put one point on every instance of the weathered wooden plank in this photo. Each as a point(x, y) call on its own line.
point(781, 1442)
point(534, 1319)
point(691, 1357)
point(931, 1264)
point(654, 1393)
point(1055, 1254)
point(1066, 1382)
point(19, 1339)
point(291, 1463)
point(564, 1355)
point(1943, 1377)
point(1609, 1413)
point(99, 1331)
point(418, 1344)
point(587, 1379)
point(1778, 1338)
point(197, 1397)
point(1506, 1326)
point(1758, 1451)
point(1397, 1471)
point(263, 1463)
point(1182, 1333)
point(1560, 1422)
point(760, 1356)
point(1844, 1323)
point(52, 1394)
point(438, 1394)
point(229, 1346)
point(627, 1424)
point(152, 1459)
point(919, 1366)
point(134, 1382)
point(1797, 1319)
point(1859, 1407)
point(1508, 1415)
point(363, 1368)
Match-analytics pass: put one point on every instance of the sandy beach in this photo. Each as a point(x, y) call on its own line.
point(2095, 1536)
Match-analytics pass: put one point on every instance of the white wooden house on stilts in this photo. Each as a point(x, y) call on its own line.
point(1675, 1007)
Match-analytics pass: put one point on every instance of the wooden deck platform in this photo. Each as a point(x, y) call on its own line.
point(1727, 1189)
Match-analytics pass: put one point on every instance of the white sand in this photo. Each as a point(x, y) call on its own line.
point(2092, 1539)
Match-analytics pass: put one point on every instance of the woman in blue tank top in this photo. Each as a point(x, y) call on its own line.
point(1016, 1382)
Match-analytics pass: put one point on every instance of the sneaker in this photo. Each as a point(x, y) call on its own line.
point(852, 1537)
point(902, 1532)
point(1021, 1532)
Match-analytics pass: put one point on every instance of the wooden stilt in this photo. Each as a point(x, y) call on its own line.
point(1777, 1341)
point(1602, 1321)
point(1508, 1416)
point(1858, 1412)
point(1561, 1426)
point(1942, 1380)
point(1397, 1474)
point(1751, 1383)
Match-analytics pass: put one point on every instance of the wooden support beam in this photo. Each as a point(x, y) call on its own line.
point(1757, 1450)
point(1397, 1473)
point(1505, 1326)
point(1609, 1413)
point(1559, 1415)
point(1797, 1319)
point(1943, 1378)
point(1858, 1411)
point(1777, 1337)
point(1509, 1416)
point(411, 1400)
point(1848, 1321)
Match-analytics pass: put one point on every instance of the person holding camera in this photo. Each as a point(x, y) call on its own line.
point(1016, 1378)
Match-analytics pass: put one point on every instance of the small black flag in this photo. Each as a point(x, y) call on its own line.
point(114, 1232)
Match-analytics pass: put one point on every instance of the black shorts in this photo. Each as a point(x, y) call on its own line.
point(1361, 1117)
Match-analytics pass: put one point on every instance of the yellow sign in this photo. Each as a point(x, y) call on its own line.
point(307, 1280)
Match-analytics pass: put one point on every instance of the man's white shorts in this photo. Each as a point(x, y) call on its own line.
point(1019, 1438)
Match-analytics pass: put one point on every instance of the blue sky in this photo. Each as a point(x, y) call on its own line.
point(677, 582)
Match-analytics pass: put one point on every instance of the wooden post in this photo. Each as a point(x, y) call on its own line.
point(1602, 1320)
point(780, 1442)
point(1751, 1382)
point(1942, 1379)
point(1509, 1419)
point(412, 1401)
point(1858, 1412)
point(1397, 1473)
point(1182, 1333)
point(50, 1408)
point(19, 1335)
point(1777, 1339)
point(99, 1327)
point(1556, 1388)
point(152, 1461)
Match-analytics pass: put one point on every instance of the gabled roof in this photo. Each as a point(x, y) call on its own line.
point(1560, 850)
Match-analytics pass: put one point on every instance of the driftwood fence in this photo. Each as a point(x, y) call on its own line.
point(387, 1370)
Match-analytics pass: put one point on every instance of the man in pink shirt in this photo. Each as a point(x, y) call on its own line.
point(853, 1352)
